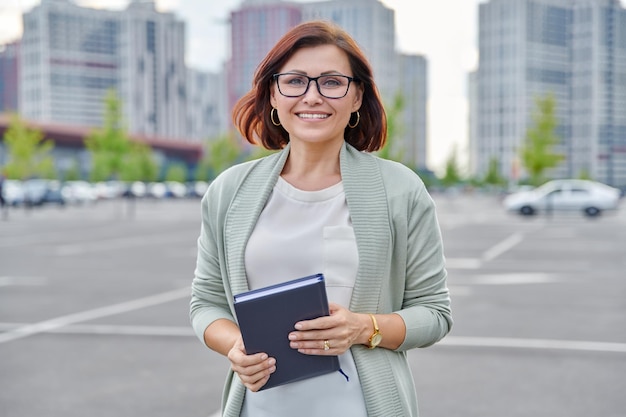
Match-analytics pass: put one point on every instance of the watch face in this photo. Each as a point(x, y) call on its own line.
point(376, 339)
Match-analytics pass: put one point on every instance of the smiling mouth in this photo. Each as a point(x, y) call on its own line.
point(312, 116)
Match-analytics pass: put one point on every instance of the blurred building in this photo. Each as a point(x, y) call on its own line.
point(598, 88)
point(207, 116)
point(153, 78)
point(413, 78)
point(9, 73)
point(71, 56)
point(574, 50)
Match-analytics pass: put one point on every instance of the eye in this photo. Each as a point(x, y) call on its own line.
point(294, 80)
point(332, 81)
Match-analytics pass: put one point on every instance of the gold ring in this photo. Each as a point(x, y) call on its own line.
point(326, 345)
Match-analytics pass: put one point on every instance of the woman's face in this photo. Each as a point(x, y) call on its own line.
point(313, 118)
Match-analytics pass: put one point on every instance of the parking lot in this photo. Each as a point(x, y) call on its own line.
point(94, 314)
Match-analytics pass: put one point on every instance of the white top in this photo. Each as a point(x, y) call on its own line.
point(301, 233)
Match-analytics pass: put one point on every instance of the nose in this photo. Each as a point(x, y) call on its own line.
point(316, 95)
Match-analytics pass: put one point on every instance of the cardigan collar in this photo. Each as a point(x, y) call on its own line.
point(367, 203)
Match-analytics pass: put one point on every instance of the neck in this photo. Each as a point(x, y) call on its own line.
point(312, 168)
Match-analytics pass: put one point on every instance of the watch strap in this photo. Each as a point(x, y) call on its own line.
point(372, 345)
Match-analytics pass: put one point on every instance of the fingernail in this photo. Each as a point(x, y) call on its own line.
point(272, 362)
point(263, 357)
point(292, 336)
point(298, 326)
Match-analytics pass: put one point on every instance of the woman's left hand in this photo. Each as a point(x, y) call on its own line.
point(330, 335)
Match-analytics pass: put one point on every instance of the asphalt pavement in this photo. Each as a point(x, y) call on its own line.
point(94, 314)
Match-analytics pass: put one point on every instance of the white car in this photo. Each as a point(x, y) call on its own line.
point(588, 197)
point(78, 192)
point(13, 192)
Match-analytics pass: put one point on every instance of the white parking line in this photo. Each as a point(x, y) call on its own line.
point(56, 323)
point(73, 249)
point(515, 278)
point(112, 329)
point(506, 342)
point(502, 247)
point(459, 341)
point(6, 281)
point(463, 263)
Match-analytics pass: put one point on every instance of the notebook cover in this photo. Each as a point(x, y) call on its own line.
point(269, 316)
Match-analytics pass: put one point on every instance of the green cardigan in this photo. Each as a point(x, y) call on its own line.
point(401, 265)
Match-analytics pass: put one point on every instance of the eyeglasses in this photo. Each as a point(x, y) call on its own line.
point(291, 84)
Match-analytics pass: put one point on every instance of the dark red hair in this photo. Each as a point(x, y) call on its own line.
point(251, 114)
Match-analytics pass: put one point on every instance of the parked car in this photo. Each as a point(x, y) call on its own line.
point(137, 189)
point(78, 192)
point(197, 189)
point(41, 191)
point(588, 197)
point(13, 192)
point(175, 189)
point(156, 190)
point(107, 190)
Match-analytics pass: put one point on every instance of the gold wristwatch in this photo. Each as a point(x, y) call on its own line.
point(376, 337)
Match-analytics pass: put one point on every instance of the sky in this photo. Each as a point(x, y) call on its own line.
point(445, 32)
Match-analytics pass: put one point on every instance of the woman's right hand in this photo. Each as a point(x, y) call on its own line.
point(253, 370)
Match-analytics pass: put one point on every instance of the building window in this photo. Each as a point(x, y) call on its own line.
point(150, 36)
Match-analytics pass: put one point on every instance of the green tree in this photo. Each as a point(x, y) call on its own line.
point(584, 174)
point(537, 153)
point(452, 175)
point(29, 154)
point(203, 170)
point(220, 154)
point(110, 144)
point(393, 149)
point(139, 164)
point(176, 172)
point(73, 171)
point(258, 152)
point(493, 177)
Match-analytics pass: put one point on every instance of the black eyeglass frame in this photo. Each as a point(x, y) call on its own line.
point(350, 81)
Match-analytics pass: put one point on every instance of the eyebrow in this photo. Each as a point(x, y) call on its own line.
point(331, 72)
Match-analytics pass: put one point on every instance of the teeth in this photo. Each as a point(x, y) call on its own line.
point(312, 116)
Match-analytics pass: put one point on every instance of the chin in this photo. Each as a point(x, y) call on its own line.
point(317, 139)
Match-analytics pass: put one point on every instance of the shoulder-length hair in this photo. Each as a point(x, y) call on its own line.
point(251, 114)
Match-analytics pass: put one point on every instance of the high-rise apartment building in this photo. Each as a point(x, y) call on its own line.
point(153, 72)
point(71, 56)
point(598, 88)
point(573, 50)
point(9, 72)
point(206, 110)
point(413, 79)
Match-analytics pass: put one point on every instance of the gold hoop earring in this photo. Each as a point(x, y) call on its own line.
point(358, 119)
point(272, 113)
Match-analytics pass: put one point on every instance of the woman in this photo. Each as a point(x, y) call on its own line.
point(322, 204)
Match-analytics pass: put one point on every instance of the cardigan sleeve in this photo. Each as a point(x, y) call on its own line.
point(426, 301)
point(215, 278)
point(209, 291)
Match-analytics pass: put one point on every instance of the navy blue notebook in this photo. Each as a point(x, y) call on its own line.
point(267, 315)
